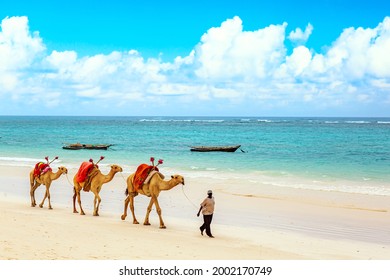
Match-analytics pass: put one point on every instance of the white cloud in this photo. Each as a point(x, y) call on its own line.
point(228, 52)
point(228, 64)
point(381, 83)
point(8, 81)
point(228, 93)
point(62, 61)
point(357, 54)
point(378, 53)
point(170, 89)
point(18, 48)
point(300, 37)
point(296, 63)
point(89, 92)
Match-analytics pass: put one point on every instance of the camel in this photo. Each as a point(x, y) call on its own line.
point(44, 179)
point(96, 185)
point(152, 190)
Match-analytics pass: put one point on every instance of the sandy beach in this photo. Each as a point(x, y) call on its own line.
point(268, 223)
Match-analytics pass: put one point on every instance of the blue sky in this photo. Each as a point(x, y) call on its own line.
point(225, 58)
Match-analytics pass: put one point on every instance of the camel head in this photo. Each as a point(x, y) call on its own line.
point(178, 179)
point(63, 170)
point(116, 168)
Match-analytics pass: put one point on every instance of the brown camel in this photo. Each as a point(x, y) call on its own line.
point(44, 179)
point(96, 185)
point(152, 190)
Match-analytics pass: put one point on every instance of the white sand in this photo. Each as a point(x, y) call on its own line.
point(268, 223)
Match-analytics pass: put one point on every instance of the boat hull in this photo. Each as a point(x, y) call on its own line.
point(86, 146)
point(229, 149)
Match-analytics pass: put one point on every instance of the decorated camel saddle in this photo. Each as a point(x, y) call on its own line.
point(144, 173)
point(41, 167)
point(86, 172)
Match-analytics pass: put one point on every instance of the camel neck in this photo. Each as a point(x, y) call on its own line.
point(167, 185)
point(55, 175)
point(109, 176)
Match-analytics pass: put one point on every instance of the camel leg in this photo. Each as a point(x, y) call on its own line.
point(132, 209)
point(77, 194)
point(74, 201)
point(131, 198)
point(79, 201)
point(146, 222)
point(32, 197)
point(47, 195)
point(96, 203)
point(158, 209)
point(32, 183)
point(32, 194)
point(44, 198)
point(124, 215)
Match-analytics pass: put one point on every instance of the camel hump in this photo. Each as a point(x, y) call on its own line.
point(83, 172)
point(151, 174)
point(141, 174)
point(41, 168)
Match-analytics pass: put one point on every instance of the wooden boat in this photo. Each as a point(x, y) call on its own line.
point(78, 146)
point(230, 149)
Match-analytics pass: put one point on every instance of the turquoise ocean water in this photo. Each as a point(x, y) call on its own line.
point(315, 152)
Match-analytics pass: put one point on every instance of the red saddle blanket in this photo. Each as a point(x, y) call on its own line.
point(83, 172)
point(41, 168)
point(141, 174)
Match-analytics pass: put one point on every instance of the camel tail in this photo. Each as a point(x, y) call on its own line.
point(126, 192)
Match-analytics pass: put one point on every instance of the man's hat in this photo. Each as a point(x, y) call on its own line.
point(209, 192)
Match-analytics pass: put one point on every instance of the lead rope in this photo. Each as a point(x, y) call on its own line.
point(67, 178)
point(124, 179)
point(182, 188)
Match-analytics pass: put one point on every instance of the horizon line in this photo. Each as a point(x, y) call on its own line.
point(193, 116)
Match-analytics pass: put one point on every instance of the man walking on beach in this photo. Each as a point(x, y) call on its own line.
point(207, 208)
